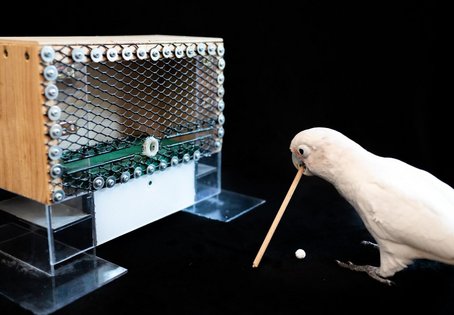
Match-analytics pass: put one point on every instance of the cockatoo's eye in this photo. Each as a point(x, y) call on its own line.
point(304, 150)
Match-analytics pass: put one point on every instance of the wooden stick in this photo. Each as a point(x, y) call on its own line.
point(278, 217)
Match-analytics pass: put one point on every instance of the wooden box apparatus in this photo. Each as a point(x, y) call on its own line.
point(85, 114)
point(100, 136)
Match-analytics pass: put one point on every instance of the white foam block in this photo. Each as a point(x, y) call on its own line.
point(129, 206)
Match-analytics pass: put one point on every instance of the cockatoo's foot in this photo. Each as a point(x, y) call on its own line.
point(367, 243)
point(370, 270)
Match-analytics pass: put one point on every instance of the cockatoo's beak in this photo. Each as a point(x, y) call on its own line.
point(297, 162)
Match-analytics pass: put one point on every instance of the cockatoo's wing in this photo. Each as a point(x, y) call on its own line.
point(410, 206)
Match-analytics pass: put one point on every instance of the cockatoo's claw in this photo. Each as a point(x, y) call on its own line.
point(367, 243)
point(370, 270)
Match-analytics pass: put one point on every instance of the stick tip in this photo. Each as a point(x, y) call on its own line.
point(254, 265)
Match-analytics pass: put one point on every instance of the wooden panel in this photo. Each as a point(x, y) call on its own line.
point(23, 153)
point(108, 40)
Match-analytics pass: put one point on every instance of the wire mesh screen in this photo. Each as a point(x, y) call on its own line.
point(109, 110)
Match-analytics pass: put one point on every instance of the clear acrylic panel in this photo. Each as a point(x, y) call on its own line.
point(47, 253)
point(215, 203)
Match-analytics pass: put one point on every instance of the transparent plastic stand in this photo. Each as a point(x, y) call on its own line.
point(47, 253)
point(212, 201)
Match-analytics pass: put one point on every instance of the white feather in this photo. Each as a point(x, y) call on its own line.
point(408, 211)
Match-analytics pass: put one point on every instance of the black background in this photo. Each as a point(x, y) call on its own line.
point(370, 71)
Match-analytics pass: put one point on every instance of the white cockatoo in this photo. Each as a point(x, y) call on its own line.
point(408, 211)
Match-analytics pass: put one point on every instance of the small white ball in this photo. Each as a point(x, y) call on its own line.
point(300, 253)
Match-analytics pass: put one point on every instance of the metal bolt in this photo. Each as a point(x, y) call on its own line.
point(201, 48)
point(154, 54)
point(56, 131)
point(190, 52)
point(50, 73)
point(221, 132)
point(112, 54)
point(125, 177)
point(186, 158)
point(179, 52)
point(196, 155)
point(166, 51)
point(54, 113)
point(221, 50)
point(127, 53)
point(217, 145)
point(58, 195)
point(51, 92)
point(221, 105)
point(174, 161)
point(47, 54)
point(221, 91)
point(212, 49)
point(150, 169)
point(163, 165)
point(110, 182)
point(54, 153)
point(221, 63)
point(98, 183)
point(221, 78)
point(56, 171)
point(141, 53)
point(137, 172)
point(221, 119)
point(78, 54)
point(96, 55)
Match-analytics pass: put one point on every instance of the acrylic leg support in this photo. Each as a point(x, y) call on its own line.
point(213, 202)
point(47, 257)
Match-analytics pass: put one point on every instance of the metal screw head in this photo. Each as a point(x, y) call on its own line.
point(96, 55)
point(174, 161)
point(196, 155)
point(54, 113)
point(141, 53)
point(190, 51)
point(127, 53)
point(201, 48)
point(211, 49)
point(221, 50)
point(58, 195)
point(217, 144)
point(112, 54)
point(179, 52)
point(163, 165)
point(221, 63)
point(186, 158)
point(50, 73)
point(125, 176)
point(55, 152)
point(221, 105)
point(47, 54)
point(137, 172)
point(154, 54)
point(110, 182)
point(98, 183)
point(166, 51)
point(150, 169)
point(51, 92)
point(221, 78)
point(56, 171)
point(221, 132)
point(56, 131)
point(221, 91)
point(78, 55)
point(221, 119)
